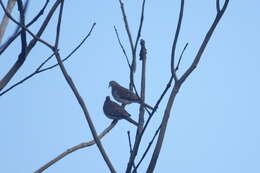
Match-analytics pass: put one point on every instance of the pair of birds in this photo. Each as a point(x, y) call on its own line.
point(123, 95)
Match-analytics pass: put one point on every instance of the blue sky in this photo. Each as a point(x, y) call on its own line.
point(214, 124)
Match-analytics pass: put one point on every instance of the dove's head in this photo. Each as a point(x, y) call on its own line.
point(107, 98)
point(112, 83)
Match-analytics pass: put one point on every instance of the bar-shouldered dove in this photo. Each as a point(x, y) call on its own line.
point(124, 95)
point(114, 111)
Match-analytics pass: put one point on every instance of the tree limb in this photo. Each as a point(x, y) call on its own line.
point(180, 58)
point(5, 45)
point(5, 19)
point(175, 41)
point(177, 86)
point(39, 69)
point(76, 147)
point(79, 98)
point(5, 80)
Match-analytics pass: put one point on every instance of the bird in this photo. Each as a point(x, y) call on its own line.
point(124, 95)
point(114, 111)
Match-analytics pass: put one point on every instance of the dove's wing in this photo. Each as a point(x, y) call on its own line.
point(126, 94)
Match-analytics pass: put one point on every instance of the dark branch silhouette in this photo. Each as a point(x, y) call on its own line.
point(39, 69)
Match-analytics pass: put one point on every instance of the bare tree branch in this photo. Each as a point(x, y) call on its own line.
point(17, 33)
point(73, 51)
point(39, 68)
point(128, 33)
point(5, 19)
point(122, 47)
point(177, 86)
point(168, 86)
point(204, 43)
point(25, 28)
point(130, 145)
point(86, 113)
point(140, 26)
point(156, 107)
point(175, 41)
point(130, 67)
point(148, 147)
point(143, 58)
point(27, 77)
point(218, 6)
point(180, 58)
point(79, 98)
point(23, 32)
point(163, 128)
point(57, 39)
point(39, 14)
point(141, 109)
point(24, 11)
point(76, 147)
point(129, 141)
point(19, 62)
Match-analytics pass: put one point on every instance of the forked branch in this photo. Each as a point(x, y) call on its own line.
point(77, 95)
point(9, 75)
point(177, 86)
point(40, 68)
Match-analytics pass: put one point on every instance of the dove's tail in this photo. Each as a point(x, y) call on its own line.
point(148, 106)
point(131, 121)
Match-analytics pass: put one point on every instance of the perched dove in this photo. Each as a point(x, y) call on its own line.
point(124, 95)
point(114, 111)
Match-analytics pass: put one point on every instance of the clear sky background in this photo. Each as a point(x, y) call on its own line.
point(214, 124)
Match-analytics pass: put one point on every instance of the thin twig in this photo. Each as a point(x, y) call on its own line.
point(168, 86)
point(38, 14)
point(77, 147)
point(122, 47)
point(129, 141)
point(148, 147)
point(126, 25)
point(140, 26)
point(73, 51)
point(133, 65)
point(180, 58)
point(130, 145)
